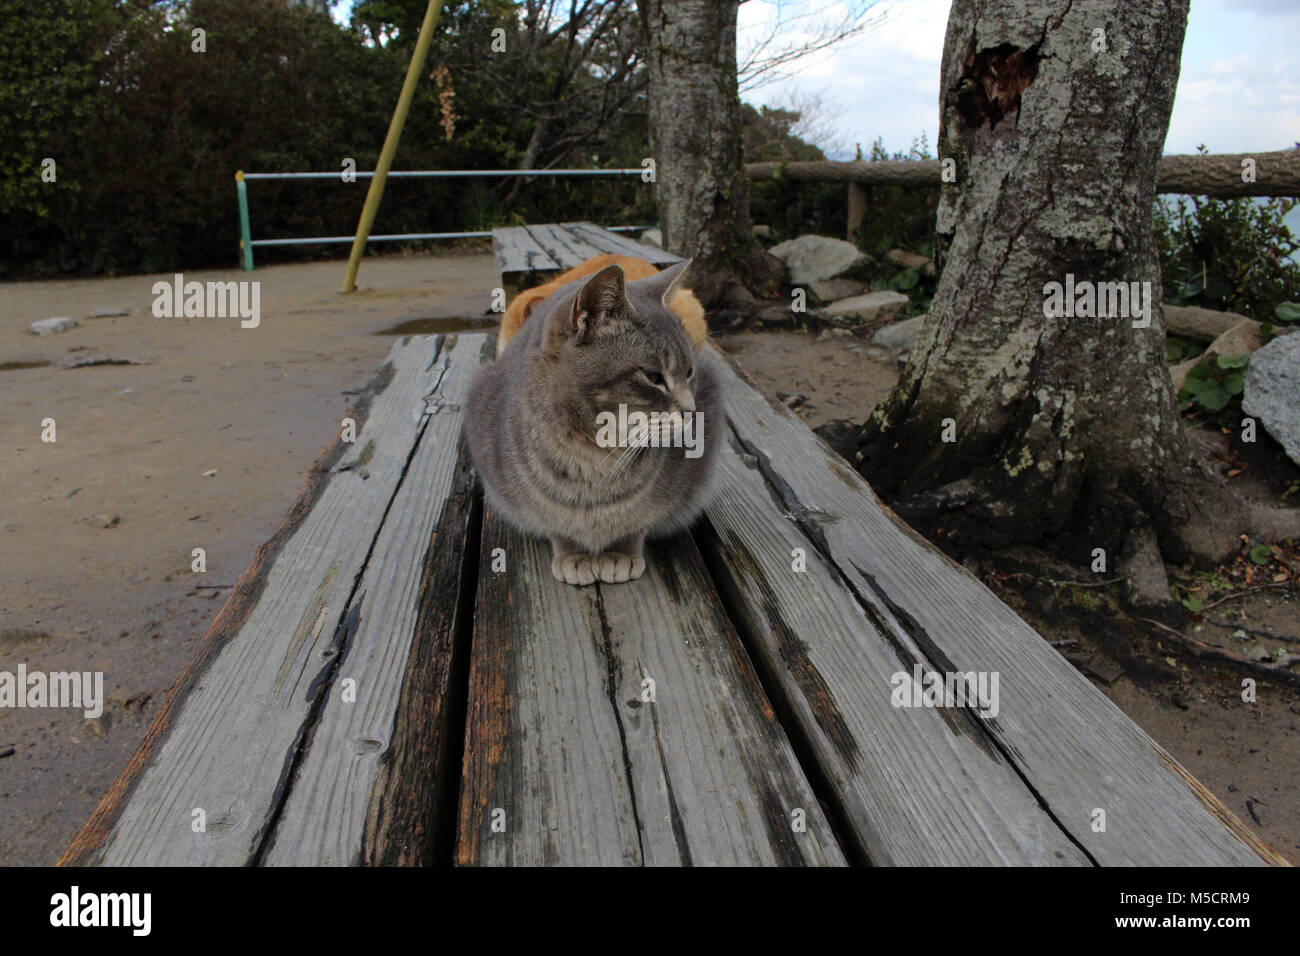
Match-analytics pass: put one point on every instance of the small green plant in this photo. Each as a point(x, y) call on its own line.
point(1261, 554)
point(1213, 385)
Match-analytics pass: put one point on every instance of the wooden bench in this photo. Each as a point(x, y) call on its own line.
point(529, 255)
point(399, 680)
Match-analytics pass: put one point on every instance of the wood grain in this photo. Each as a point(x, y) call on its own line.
point(914, 786)
point(616, 242)
point(337, 779)
point(234, 740)
point(520, 260)
point(1074, 748)
point(561, 748)
point(561, 245)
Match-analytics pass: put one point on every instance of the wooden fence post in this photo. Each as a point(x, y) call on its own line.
point(859, 200)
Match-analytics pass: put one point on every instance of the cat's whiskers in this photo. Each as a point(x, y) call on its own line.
point(638, 440)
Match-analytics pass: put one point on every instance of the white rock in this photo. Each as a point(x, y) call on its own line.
point(108, 312)
point(653, 237)
point(817, 258)
point(899, 335)
point(832, 290)
point(1272, 392)
point(868, 309)
point(55, 325)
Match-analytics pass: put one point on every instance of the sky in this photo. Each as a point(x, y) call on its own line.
point(1239, 89)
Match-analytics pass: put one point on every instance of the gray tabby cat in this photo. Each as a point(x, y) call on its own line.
point(534, 424)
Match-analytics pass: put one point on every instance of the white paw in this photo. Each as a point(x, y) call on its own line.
point(575, 569)
point(615, 567)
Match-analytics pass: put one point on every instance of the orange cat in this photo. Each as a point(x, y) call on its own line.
point(683, 302)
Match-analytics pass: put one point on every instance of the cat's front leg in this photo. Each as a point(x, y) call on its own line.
point(571, 564)
point(622, 561)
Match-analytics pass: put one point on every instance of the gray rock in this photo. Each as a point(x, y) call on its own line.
point(653, 237)
point(762, 232)
point(108, 519)
point(816, 258)
point(899, 335)
point(832, 290)
point(828, 334)
point(55, 325)
point(108, 312)
point(870, 309)
point(1272, 392)
point(912, 260)
point(775, 315)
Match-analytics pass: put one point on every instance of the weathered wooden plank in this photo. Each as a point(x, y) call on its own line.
point(1075, 749)
point(87, 846)
point(233, 741)
point(413, 812)
point(520, 260)
point(542, 752)
point(616, 242)
point(913, 786)
point(716, 779)
point(339, 779)
point(517, 251)
point(561, 245)
point(565, 755)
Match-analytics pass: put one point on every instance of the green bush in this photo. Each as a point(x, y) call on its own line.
point(1230, 254)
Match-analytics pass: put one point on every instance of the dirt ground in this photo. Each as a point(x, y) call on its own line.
point(204, 441)
point(249, 408)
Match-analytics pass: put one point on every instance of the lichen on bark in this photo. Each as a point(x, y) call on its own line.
point(1067, 428)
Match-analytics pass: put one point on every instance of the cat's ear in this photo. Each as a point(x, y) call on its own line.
point(667, 282)
point(596, 303)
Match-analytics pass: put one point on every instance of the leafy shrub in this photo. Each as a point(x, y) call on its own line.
point(1230, 254)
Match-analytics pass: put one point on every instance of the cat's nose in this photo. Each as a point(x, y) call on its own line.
point(684, 400)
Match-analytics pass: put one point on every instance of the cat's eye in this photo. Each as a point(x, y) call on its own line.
point(690, 373)
point(655, 378)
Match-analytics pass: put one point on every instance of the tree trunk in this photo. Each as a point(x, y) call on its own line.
point(1009, 425)
point(701, 185)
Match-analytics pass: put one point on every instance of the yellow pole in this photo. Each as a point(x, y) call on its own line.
point(390, 144)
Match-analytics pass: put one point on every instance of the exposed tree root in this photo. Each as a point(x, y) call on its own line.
point(1279, 672)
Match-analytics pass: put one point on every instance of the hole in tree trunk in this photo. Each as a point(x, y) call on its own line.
point(992, 82)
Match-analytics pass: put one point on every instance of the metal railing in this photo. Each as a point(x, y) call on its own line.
point(247, 242)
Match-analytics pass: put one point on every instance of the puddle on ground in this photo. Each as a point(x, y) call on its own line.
point(442, 326)
point(13, 366)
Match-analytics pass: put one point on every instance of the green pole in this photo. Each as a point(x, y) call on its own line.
point(376, 191)
point(245, 231)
